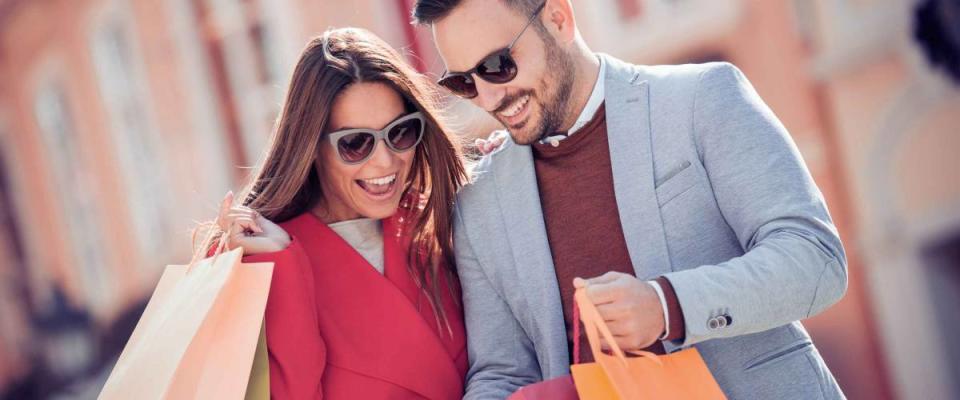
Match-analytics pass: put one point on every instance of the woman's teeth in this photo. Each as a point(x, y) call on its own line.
point(515, 109)
point(381, 181)
point(377, 186)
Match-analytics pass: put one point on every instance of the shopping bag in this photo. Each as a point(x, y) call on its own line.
point(679, 375)
point(201, 335)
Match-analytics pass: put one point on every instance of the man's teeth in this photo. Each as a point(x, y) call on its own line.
point(515, 109)
point(381, 181)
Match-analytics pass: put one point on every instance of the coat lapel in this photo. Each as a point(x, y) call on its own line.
point(631, 155)
point(397, 272)
point(519, 199)
point(371, 323)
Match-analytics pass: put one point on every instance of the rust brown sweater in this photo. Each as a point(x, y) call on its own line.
point(583, 225)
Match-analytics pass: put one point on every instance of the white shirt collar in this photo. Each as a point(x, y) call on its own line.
point(590, 109)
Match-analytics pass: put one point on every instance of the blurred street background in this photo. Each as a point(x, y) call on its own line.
point(123, 122)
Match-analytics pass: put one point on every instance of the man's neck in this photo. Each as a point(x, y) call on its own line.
point(586, 68)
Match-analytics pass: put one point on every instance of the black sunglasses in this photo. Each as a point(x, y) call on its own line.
point(499, 67)
point(355, 146)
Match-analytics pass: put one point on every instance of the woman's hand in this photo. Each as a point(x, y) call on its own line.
point(250, 230)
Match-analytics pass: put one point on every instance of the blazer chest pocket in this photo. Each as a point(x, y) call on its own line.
point(675, 182)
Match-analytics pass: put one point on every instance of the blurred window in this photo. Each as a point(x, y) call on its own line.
point(74, 187)
point(124, 94)
point(243, 52)
point(805, 21)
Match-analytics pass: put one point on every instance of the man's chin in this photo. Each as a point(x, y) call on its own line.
point(524, 139)
point(522, 134)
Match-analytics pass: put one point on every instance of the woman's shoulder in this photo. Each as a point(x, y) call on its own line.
point(300, 224)
point(298, 228)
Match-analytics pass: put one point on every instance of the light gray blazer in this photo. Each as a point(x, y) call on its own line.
point(712, 193)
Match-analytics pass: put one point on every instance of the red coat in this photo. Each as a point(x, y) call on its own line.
point(338, 329)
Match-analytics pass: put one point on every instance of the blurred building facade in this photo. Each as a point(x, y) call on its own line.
point(122, 122)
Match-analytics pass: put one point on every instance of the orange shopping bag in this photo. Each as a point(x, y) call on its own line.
point(680, 375)
point(201, 335)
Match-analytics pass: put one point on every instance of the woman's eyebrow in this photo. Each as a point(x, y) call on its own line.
point(344, 128)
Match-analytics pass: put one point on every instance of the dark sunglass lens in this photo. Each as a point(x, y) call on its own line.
point(460, 85)
point(406, 134)
point(498, 68)
point(355, 146)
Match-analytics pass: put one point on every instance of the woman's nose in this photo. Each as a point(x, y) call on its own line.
point(382, 155)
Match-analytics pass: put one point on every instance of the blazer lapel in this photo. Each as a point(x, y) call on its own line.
point(368, 323)
point(628, 129)
point(526, 232)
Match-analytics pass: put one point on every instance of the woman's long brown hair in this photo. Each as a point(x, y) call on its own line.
point(286, 183)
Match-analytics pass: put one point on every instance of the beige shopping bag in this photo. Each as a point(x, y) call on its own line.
point(199, 335)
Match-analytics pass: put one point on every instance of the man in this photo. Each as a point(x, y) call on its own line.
point(671, 193)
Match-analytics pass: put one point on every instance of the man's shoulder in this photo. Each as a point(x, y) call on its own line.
point(668, 74)
point(681, 71)
point(482, 171)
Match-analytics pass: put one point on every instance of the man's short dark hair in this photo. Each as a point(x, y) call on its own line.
point(427, 12)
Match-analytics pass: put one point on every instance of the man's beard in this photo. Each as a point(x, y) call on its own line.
point(553, 106)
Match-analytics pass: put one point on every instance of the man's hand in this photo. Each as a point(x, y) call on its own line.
point(491, 143)
point(630, 307)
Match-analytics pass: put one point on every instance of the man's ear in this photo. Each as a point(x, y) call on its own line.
point(558, 17)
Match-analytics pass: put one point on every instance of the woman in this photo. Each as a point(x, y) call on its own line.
point(352, 204)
